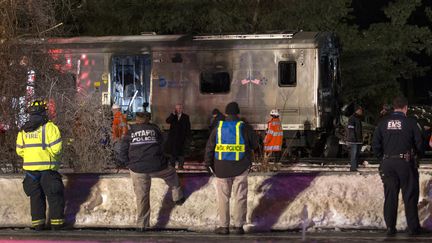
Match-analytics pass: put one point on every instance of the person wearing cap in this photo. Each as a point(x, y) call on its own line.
point(141, 151)
point(355, 136)
point(274, 135)
point(39, 143)
point(229, 156)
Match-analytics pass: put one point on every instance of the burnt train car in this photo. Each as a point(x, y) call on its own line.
point(297, 73)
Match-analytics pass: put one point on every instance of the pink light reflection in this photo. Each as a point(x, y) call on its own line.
point(84, 75)
point(45, 241)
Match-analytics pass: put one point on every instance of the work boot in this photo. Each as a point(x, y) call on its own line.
point(237, 230)
point(39, 227)
point(222, 230)
point(57, 227)
point(391, 232)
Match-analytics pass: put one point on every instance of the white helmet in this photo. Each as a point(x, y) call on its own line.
point(274, 112)
point(115, 106)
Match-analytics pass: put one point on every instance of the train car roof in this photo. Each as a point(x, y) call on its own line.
point(292, 40)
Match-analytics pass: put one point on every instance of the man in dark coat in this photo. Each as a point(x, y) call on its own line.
point(178, 135)
point(355, 136)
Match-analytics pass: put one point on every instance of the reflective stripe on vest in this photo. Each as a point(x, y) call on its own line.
point(273, 148)
point(274, 133)
point(42, 145)
point(229, 147)
point(29, 163)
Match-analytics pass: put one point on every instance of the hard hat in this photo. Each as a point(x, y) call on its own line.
point(37, 106)
point(115, 106)
point(274, 112)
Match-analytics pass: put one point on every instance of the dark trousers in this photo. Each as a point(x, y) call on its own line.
point(400, 174)
point(41, 186)
point(355, 153)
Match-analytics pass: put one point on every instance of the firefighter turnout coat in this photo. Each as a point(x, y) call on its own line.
point(40, 148)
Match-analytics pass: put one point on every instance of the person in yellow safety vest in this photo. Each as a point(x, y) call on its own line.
point(39, 144)
point(229, 156)
point(274, 135)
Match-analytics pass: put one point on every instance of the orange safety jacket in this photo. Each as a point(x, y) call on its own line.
point(274, 136)
point(430, 142)
point(119, 126)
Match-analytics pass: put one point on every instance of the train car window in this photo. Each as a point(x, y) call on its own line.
point(215, 82)
point(287, 73)
point(130, 77)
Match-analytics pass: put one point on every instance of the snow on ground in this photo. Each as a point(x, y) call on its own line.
point(313, 199)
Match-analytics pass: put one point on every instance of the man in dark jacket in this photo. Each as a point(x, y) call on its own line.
point(229, 155)
point(178, 135)
point(396, 140)
point(141, 151)
point(355, 136)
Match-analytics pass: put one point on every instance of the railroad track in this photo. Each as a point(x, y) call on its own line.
point(292, 165)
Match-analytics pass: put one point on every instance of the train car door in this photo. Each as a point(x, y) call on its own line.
point(130, 82)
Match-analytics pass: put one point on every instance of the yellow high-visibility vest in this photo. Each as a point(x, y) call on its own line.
point(41, 148)
point(230, 144)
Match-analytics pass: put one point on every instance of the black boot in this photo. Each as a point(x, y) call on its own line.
point(39, 227)
point(391, 231)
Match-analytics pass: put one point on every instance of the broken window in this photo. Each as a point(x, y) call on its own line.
point(287, 73)
point(131, 82)
point(215, 82)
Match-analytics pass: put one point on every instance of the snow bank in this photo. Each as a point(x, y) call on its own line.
point(275, 201)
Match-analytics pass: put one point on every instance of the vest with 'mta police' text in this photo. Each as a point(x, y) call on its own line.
point(230, 144)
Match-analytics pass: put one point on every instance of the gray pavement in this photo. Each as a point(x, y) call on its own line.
point(93, 235)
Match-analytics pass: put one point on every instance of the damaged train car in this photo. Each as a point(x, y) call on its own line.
point(297, 73)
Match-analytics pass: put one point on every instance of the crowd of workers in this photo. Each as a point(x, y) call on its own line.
point(228, 156)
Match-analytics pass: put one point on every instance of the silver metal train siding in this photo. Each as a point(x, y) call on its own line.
point(297, 73)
